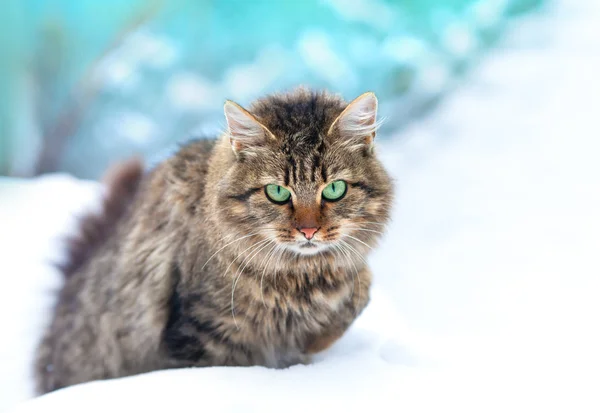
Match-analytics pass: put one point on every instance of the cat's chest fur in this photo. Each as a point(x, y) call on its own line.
point(253, 325)
point(280, 327)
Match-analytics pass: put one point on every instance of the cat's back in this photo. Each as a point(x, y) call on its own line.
point(136, 227)
point(187, 170)
point(111, 309)
point(137, 206)
point(87, 257)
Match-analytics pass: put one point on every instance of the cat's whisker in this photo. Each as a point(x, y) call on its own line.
point(257, 244)
point(282, 251)
point(252, 247)
point(233, 242)
point(240, 254)
point(359, 255)
point(247, 260)
point(347, 253)
point(371, 223)
point(267, 256)
point(351, 248)
point(264, 263)
point(235, 279)
point(270, 255)
point(338, 249)
point(356, 239)
point(262, 230)
point(354, 228)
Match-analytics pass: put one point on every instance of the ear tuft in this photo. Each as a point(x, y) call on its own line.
point(358, 122)
point(245, 131)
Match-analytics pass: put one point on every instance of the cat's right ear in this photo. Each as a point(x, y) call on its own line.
point(245, 131)
point(357, 124)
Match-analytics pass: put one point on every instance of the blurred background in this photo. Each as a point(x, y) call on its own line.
point(84, 83)
point(489, 268)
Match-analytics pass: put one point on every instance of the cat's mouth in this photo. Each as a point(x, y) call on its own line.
point(308, 244)
point(307, 247)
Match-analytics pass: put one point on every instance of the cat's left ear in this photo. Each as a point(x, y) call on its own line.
point(357, 124)
point(246, 133)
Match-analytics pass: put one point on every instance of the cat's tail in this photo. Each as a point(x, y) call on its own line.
point(121, 182)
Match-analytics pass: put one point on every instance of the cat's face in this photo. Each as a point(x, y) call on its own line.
point(305, 177)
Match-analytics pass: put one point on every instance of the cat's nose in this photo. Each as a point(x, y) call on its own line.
point(308, 232)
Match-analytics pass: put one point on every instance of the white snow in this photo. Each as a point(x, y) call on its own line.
point(33, 216)
point(487, 285)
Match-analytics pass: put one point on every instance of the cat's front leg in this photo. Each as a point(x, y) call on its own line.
point(323, 341)
point(358, 300)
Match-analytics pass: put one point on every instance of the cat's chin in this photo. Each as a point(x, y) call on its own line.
point(308, 248)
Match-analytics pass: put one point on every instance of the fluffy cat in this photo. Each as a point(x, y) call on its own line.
point(244, 250)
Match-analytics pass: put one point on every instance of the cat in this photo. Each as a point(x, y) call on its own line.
point(244, 250)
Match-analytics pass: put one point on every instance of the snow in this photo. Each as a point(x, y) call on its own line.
point(486, 286)
point(33, 216)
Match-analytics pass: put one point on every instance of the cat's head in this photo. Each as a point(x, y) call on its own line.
point(303, 175)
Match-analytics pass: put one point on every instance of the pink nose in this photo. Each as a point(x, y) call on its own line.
point(308, 232)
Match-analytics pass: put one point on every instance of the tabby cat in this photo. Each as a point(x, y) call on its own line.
point(244, 250)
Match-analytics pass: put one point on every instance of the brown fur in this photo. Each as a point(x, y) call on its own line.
point(121, 181)
point(196, 267)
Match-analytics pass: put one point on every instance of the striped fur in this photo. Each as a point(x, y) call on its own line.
point(201, 269)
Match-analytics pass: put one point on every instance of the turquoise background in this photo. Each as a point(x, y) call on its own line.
point(84, 83)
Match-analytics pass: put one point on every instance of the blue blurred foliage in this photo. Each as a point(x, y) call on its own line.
point(86, 82)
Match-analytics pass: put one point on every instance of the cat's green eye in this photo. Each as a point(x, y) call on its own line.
point(334, 191)
point(277, 194)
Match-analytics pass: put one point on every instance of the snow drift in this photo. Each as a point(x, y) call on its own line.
point(486, 285)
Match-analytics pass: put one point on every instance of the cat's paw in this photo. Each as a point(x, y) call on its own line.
point(322, 342)
point(296, 359)
point(305, 359)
